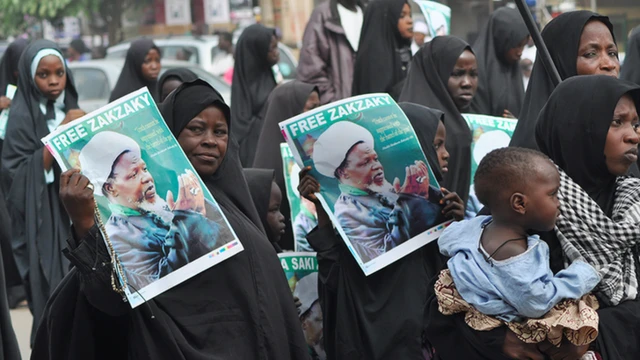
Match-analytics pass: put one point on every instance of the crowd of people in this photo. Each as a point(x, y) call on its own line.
point(547, 269)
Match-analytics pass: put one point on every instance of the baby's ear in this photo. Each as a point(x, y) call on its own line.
point(519, 203)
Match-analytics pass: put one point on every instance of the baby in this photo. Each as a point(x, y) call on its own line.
point(497, 267)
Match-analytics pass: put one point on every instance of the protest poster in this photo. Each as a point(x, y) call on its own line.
point(376, 184)
point(132, 160)
point(489, 133)
point(301, 271)
point(4, 114)
point(303, 212)
point(216, 12)
point(437, 16)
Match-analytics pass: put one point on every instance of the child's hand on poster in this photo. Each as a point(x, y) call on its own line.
point(190, 194)
point(453, 205)
point(308, 187)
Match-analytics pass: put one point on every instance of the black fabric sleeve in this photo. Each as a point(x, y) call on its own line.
point(327, 244)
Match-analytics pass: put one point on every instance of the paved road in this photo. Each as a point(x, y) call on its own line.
point(21, 319)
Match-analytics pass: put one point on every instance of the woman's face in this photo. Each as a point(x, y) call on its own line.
point(51, 77)
point(204, 140)
point(439, 143)
point(168, 86)
point(273, 56)
point(621, 147)
point(151, 65)
point(313, 101)
point(405, 23)
point(597, 52)
point(463, 82)
point(512, 56)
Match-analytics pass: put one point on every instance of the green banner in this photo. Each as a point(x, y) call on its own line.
point(438, 17)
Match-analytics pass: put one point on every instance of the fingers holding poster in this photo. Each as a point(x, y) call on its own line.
point(301, 270)
point(131, 159)
point(376, 184)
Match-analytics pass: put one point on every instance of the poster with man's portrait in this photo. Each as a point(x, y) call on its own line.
point(376, 184)
point(437, 16)
point(160, 219)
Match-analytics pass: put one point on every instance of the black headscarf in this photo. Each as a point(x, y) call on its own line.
point(131, 78)
point(562, 37)
point(79, 46)
point(252, 83)
point(40, 223)
point(285, 102)
point(259, 182)
point(500, 85)
point(425, 123)
point(383, 55)
point(572, 130)
point(182, 74)
point(631, 68)
point(427, 85)
point(9, 64)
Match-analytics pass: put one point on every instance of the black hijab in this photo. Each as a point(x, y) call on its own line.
point(40, 223)
point(259, 182)
point(9, 64)
point(182, 74)
point(562, 37)
point(500, 85)
point(383, 55)
point(572, 130)
point(425, 123)
point(631, 68)
point(427, 85)
point(252, 83)
point(286, 101)
point(131, 78)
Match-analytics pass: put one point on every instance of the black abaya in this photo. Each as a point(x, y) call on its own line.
point(500, 84)
point(40, 222)
point(631, 68)
point(562, 37)
point(427, 85)
point(241, 308)
point(380, 316)
point(131, 78)
point(9, 64)
point(285, 102)
point(252, 83)
point(259, 182)
point(383, 55)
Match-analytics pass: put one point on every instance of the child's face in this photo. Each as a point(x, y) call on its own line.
point(543, 207)
point(275, 219)
point(51, 77)
point(441, 150)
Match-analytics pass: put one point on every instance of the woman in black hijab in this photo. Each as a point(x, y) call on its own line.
point(241, 308)
point(384, 51)
point(172, 79)
point(141, 68)
point(285, 102)
point(380, 316)
point(631, 67)
point(256, 52)
point(46, 98)
point(568, 38)
point(444, 76)
point(584, 132)
point(498, 49)
point(9, 69)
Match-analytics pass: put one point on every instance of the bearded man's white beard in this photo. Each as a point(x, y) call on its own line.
point(385, 188)
point(158, 207)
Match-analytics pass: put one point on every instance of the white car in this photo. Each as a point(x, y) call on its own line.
point(203, 49)
point(95, 79)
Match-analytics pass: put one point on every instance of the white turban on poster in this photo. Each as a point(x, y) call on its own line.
point(307, 292)
point(97, 157)
point(331, 148)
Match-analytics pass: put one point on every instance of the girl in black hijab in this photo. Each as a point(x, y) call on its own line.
point(241, 308)
point(631, 67)
point(384, 51)
point(141, 68)
point(593, 139)
point(380, 316)
point(445, 61)
point(285, 102)
point(46, 98)
point(172, 79)
point(256, 52)
point(9, 69)
point(267, 198)
point(498, 49)
point(568, 44)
